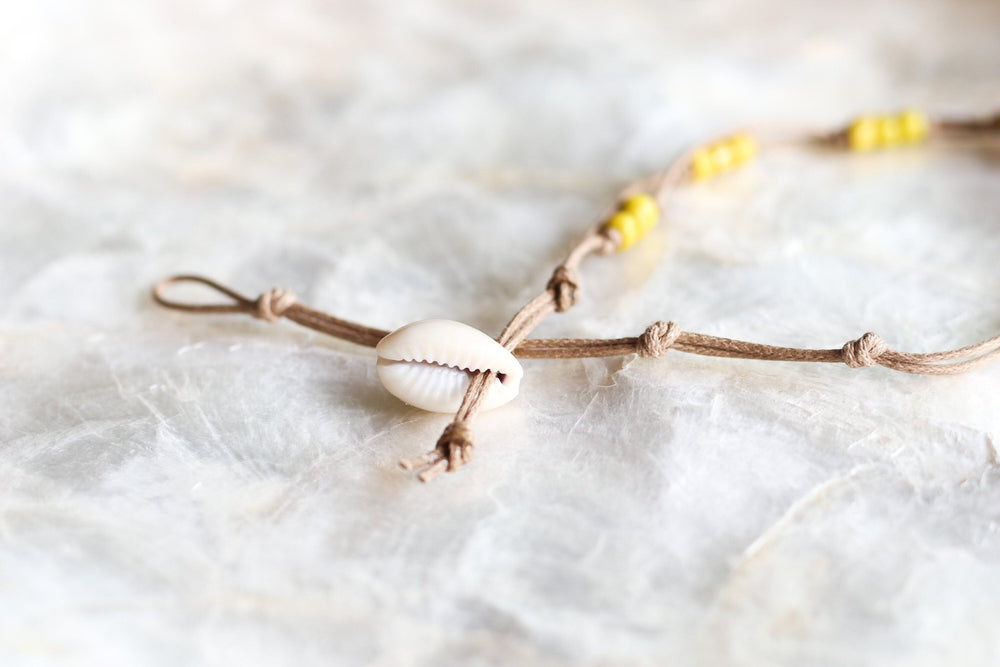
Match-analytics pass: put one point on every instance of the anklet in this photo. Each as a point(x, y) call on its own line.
point(441, 365)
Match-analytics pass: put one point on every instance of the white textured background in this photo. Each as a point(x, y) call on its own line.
point(184, 490)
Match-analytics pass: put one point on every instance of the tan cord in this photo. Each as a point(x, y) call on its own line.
point(868, 350)
point(455, 446)
point(269, 306)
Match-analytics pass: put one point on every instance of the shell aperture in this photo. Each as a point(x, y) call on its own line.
point(427, 365)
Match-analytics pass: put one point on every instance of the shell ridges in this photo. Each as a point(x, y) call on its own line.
point(427, 364)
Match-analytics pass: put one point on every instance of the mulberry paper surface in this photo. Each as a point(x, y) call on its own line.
point(186, 490)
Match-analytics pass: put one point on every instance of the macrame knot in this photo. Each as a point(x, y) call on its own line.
point(563, 285)
point(657, 339)
point(864, 351)
point(272, 304)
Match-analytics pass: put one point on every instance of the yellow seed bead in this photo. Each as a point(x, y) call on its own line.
point(722, 157)
point(862, 135)
point(743, 147)
point(889, 132)
point(702, 166)
point(913, 126)
point(645, 210)
point(627, 227)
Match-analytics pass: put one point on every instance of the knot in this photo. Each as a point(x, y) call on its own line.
point(864, 351)
point(452, 451)
point(272, 304)
point(657, 339)
point(455, 445)
point(563, 285)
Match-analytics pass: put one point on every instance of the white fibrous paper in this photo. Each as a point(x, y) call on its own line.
point(180, 489)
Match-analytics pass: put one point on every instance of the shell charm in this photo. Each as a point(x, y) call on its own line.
point(427, 365)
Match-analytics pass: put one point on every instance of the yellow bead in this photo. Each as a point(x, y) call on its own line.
point(743, 147)
point(722, 157)
point(627, 227)
point(913, 126)
point(863, 135)
point(645, 210)
point(889, 132)
point(702, 166)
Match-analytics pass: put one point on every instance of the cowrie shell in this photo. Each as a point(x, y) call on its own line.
point(427, 365)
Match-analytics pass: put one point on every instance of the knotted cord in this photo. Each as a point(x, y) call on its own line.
point(455, 446)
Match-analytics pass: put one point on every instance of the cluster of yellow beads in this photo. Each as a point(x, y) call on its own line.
point(635, 217)
point(869, 132)
point(722, 155)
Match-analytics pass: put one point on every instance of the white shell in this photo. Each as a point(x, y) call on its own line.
point(427, 365)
